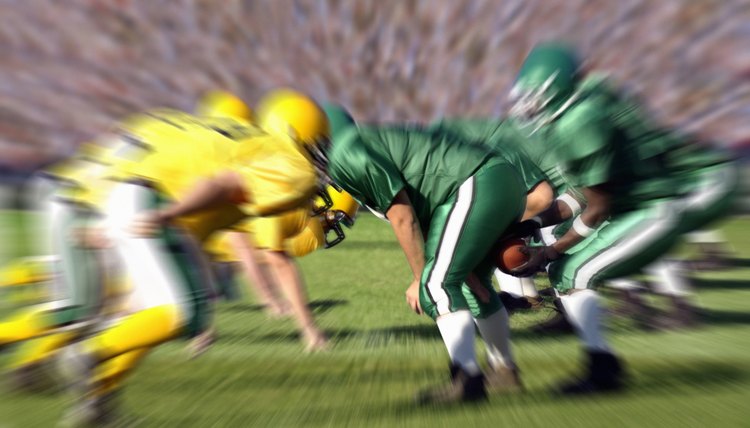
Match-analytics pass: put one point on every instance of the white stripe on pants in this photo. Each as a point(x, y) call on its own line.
point(451, 235)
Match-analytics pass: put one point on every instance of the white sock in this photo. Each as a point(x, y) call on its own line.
point(529, 288)
point(669, 279)
point(583, 310)
point(495, 331)
point(457, 329)
point(509, 283)
point(624, 284)
point(706, 236)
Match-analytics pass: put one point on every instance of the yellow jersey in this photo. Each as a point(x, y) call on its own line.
point(173, 151)
point(277, 173)
point(295, 233)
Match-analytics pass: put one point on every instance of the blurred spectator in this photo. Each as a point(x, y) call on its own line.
point(70, 69)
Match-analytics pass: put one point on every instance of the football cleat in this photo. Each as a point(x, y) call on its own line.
point(513, 303)
point(604, 374)
point(462, 388)
point(557, 324)
point(501, 380)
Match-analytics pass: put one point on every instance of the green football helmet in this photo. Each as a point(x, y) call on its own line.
point(339, 119)
point(545, 85)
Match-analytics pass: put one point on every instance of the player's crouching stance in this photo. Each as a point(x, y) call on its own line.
point(632, 175)
point(448, 202)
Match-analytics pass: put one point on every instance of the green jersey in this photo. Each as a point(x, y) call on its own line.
point(375, 163)
point(527, 153)
point(605, 139)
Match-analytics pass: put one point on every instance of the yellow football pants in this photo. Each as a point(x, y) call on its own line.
point(40, 349)
point(110, 374)
point(24, 325)
point(142, 329)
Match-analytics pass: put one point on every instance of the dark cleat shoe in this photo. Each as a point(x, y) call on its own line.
point(38, 378)
point(547, 292)
point(712, 257)
point(462, 388)
point(503, 380)
point(106, 408)
point(604, 374)
point(96, 412)
point(557, 324)
point(682, 315)
point(513, 303)
point(632, 305)
point(535, 303)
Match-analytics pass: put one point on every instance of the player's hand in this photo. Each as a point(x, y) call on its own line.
point(412, 297)
point(522, 230)
point(539, 257)
point(201, 343)
point(92, 237)
point(476, 287)
point(147, 224)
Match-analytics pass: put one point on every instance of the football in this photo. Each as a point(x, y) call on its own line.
point(509, 255)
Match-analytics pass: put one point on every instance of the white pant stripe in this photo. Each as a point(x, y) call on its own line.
point(451, 235)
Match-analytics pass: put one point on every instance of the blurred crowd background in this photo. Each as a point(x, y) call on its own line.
point(69, 69)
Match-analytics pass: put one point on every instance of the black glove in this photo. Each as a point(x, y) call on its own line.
point(522, 230)
point(539, 257)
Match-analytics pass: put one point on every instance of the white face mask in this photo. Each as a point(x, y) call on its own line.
point(529, 105)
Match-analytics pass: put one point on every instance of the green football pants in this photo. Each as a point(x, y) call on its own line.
point(461, 234)
point(711, 197)
point(622, 246)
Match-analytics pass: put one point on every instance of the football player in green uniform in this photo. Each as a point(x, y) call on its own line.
point(507, 135)
point(631, 173)
point(448, 201)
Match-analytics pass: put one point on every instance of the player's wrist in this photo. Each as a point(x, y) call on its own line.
point(164, 216)
point(552, 253)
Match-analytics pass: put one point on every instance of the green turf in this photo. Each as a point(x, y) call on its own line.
point(257, 375)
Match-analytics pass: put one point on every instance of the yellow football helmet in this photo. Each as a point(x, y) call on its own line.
point(343, 210)
point(285, 112)
point(223, 104)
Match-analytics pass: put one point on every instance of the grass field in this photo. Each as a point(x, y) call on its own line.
point(258, 375)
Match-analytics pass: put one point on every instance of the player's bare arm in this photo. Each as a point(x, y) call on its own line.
point(597, 210)
point(539, 199)
point(559, 210)
point(225, 187)
point(409, 235)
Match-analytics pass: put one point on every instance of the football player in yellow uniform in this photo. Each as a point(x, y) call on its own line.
point(290, 235)
point(275, 113)
point(183, 178)
point(72, 271)
point(76, 187)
